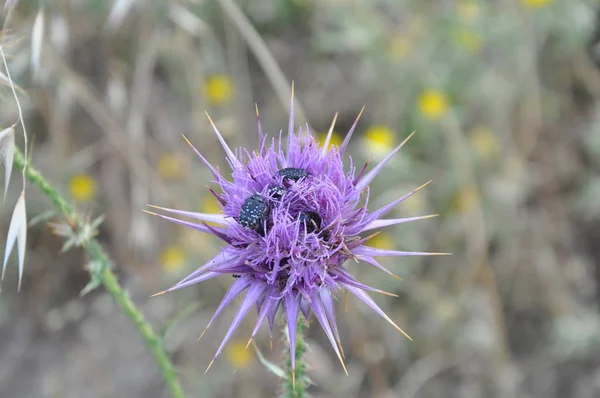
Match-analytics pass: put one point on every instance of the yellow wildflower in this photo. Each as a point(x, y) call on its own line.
point(238, 355)
point(467, 199)
point(468, 10)
point(379, 140)
point(173, 258)
point(336, 139)
point(418, 25)
point(382, 240)
point(433, 104)
point(535, 3)
point(83, 187)
point(400, 47)
point(470, 40)
point(218, 89)
point(171, 167)
point(484, 142)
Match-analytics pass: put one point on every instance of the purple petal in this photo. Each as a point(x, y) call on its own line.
point(375, 263)
point(383, 210)
point(366, 180)
point(291, 123)
point(393, 221)
point(317, 308)
point(267, 306)
point(372, 251)
point(235, 289)
point(214, 171)
point(232, 158)
point(216, 218)
point(254, 293)
point(350, 132)
point(199, 227)
point(360, 173)
point(328, 305)
point(291, 303)
point(345, 278)
point(369, 301)
point(305, 307)
point(220, 258)
point(218, 233)
point(198, 279)
point(271, 317)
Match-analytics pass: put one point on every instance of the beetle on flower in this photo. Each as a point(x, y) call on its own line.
point(291, 219)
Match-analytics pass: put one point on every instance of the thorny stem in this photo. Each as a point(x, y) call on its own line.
point(296, 382)
point(108, 278)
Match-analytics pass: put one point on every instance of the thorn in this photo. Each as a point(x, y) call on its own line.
point(407, 138)
point(271, 343)
point(159, 293)
point(249, 342)
point(210, 119)
point(186, 140)
point(385, 293)
point(346, 140)
point(202, 334)
point(216, 195)
point(340, 346)
point(329, 134)
point(343, 364)
point(294, 375)
point(209, 365)
point(156, 207)
point(402, 331)
point(256, 107)
point(395, 276)
point(424, 185)
point(150, 212)
point(372, 236)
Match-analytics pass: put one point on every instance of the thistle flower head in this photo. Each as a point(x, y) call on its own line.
point(292, 215)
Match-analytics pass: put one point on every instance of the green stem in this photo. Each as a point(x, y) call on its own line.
point(108, 278)
point(296, 382)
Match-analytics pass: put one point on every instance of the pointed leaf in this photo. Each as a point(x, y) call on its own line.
point(37, 38)
point(17, 231)
point(7, 152)
point(270, 365)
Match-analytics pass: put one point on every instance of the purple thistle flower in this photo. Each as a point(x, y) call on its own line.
point(291, 218)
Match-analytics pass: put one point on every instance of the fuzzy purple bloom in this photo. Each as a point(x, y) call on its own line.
point(291, 218)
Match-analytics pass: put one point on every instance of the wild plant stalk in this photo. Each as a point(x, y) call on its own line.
point(103, 273)
point(295, 382)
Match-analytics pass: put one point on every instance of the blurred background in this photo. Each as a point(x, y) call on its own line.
point(503, 96)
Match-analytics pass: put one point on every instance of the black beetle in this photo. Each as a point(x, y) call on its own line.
point(254, 213)
point(311, 219)
point(291, 173)
point(276, 192)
